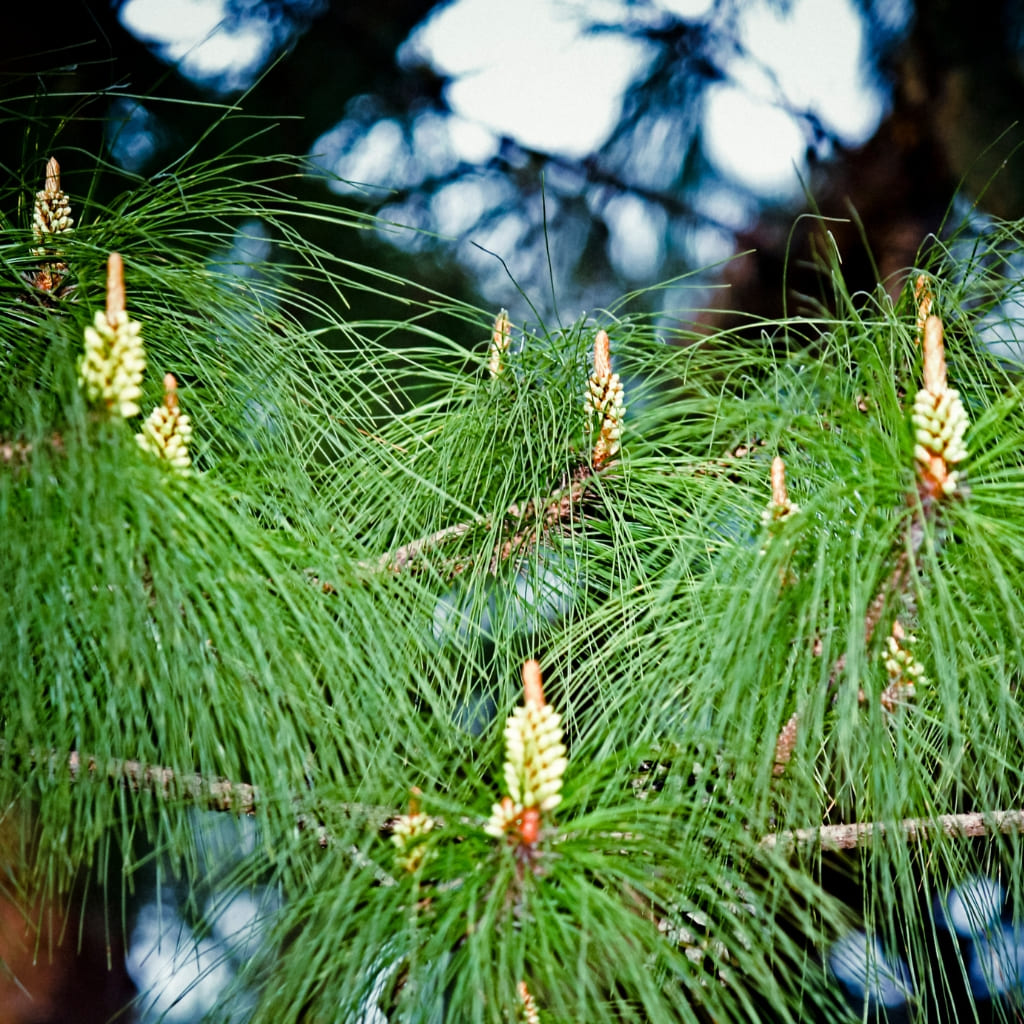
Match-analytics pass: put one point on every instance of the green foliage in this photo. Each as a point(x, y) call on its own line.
point(335, 605)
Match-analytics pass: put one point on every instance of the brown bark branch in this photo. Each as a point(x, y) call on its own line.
point(217, 794)
point(856, 835)
point(397, 560)
point(225, 795)
point(559, 506)
point(139, 777)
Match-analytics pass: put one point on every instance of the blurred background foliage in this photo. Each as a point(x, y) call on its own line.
point(649, 139)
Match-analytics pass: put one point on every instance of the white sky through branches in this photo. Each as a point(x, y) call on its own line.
point(532, 71)
point(551, 76)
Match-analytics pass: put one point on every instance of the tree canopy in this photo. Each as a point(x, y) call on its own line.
point(431, 661)
point(561, 675)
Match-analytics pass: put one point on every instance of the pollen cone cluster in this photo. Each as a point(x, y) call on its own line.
point(939, 420)
point(903, 669)
point(51, 218)
point(51, 214)
point(111, 369)
point(535, 762)
point(605, 399)
point(527, 1006)
point(167, 430)
point(407, 834)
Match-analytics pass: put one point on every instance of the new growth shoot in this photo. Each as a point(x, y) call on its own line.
point(604, 399)
point(501, 338)
point(51, 218)
point(535, 762)
point(408, 832)
point(167, 430)
point(111, 368)
point(940, 421)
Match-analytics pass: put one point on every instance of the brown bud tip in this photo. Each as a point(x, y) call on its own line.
point(502, 329)
point(533, 689)
point(923, 294)
point(934, 357)
point(414, 803)
point(171, 392)
point(115, 286)
point(779, 496)
point(52, 175)
point(602, 355)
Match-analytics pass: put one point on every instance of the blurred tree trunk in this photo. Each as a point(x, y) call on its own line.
point(62, 962)
point(957, 94)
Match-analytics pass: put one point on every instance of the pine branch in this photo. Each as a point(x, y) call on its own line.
point(169, 784)
point(940, 423)
point(559, 507)
point(856, 835)
point(603, 400)
point(520, 518)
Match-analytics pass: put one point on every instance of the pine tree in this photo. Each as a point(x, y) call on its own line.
point(561, 675)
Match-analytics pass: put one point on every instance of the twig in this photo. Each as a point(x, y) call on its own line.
point(557, 507)
point(18, 453)
point(211, 794)
point(560, 506)
point(861, 834)
point(217, 794)
point(397, 560)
